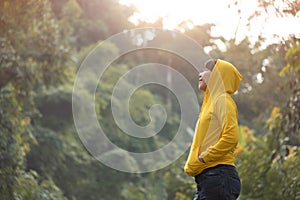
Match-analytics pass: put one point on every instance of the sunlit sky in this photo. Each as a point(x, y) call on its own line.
point(227, 20)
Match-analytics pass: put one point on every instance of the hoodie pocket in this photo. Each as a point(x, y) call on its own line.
point(193, 166)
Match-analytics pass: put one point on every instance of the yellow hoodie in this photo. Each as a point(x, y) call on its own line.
point(216, 132)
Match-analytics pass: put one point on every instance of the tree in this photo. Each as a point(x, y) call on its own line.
point(93, 20)
point(272, 158)
point(33, 55)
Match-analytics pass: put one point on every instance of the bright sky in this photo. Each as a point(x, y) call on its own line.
point(214, 11)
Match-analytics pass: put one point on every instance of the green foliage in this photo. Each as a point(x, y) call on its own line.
point(178, 185)
point(47, 154)
point(16, 183)
point(40, 53)
point(292, 57)
point(11, 142)
point(169, 183)
point(29, 188)
point(55, 108)
point(267, 165)
point(148, 187)
point(32, 57)
point(49, 191)
point(267, 168)
point(91, 21)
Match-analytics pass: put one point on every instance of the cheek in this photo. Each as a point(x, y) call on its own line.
point(206, 77)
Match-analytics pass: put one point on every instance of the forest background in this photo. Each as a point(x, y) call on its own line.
point(43, 44)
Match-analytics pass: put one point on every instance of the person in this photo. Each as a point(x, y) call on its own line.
point(211, 156)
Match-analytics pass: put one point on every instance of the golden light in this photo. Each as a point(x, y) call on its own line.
point(229, 22)
point(198, 11)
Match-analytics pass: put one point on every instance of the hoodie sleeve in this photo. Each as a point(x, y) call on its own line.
point(226, 114)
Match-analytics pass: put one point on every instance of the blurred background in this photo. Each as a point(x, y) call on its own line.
point(43, 43)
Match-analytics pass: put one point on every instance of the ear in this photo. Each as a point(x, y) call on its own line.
point(209, 64)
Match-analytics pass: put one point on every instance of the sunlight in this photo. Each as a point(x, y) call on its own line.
point(174, 12)
point(199, 12)
point(228, 22)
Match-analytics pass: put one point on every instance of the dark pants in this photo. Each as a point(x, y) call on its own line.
point(218, 183)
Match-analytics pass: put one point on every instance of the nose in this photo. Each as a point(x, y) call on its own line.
point(200, 76)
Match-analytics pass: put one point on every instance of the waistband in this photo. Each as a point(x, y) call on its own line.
point(220, 166)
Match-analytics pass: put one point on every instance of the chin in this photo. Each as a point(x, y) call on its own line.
point(202, 88)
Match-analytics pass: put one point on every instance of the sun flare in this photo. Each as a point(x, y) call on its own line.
point(224, 14)
point(174, 12)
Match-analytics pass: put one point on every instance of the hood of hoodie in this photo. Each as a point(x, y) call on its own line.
point(224, 78)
